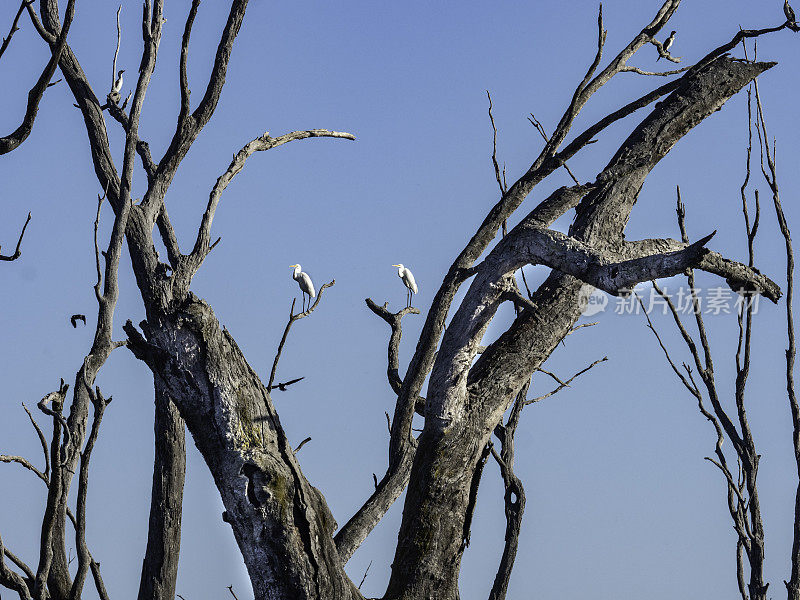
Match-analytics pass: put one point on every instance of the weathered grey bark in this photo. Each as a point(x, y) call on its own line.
point(281, 523)
point(771, 177)
point(742, 496)
point(513, 497)
point(465, 402)
point(20, 134)
point(106, 289)
point(160, 565)
point(402, 444)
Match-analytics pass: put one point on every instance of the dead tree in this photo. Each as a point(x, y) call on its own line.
point(281, 522)
point(741, 485)
point(20, 134)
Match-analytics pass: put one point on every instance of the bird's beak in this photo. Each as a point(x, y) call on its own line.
point(292, 266)
point(396, 266)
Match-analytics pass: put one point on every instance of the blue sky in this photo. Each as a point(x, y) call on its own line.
point(620, 501)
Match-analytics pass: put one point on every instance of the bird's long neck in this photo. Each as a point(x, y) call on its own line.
point(296, 273)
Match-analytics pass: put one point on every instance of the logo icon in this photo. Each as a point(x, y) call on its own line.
point(594, 303)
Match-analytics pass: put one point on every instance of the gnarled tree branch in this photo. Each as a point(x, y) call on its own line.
point(13, 140)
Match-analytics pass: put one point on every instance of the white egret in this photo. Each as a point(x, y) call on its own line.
point(667, 44)
point(304, 281)
point(117, 87)
point(407, 276)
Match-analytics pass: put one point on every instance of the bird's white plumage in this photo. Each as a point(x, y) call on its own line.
point(668, 44)
point(117, 87)
point(407, 276)
point(304, 281)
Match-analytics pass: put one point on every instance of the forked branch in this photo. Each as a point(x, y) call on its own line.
point(13, 140)
point(395, 322)
point(203, 244)
point(292, 318)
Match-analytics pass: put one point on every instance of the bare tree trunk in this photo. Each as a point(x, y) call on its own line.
point(466, 402)
point(160, 566)
point(793, 585)
point(282, 524)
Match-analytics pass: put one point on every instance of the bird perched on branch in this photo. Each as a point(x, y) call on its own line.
point(787, 10)
point(117, 87)
point(667, 44)
point(114, 95)
point(304, 281)
point(407, 276)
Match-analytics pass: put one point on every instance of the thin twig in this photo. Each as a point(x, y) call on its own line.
point(639, 71)
point(292, 318)
point(365, 575)
point(581, 326)
point(14, 28)
point(97, 286)
point(497, 173)
point(17, 252)
point(301, 444)
point(565, 383)
point(540, 128)
point(116, 52)
point(42, 441)
point(771, 177)
point(192, 263)
point(24, 462)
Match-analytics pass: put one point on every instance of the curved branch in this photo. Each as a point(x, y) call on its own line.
point(738, 275)
point(13, 140)
point(395, 322)
point(24, 462)
point(184, 79)
point(17, 252)
point(403, 445)
point(588, 134)
point(84, 558)
point(292, 318)
point(11, 579)
point(564, 384)
point(42, 441)
point(142, 147)
point(202, 244)
point(187, 130)
point(14, 28)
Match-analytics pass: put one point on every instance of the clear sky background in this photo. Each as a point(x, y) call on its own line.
point(621, 503)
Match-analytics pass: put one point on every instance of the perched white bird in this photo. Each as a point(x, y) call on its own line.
point(117, 87)
point(304, 281)
point(787, 10)
point(407, 276)
point(667, 44)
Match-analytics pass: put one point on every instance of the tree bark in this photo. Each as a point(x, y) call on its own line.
point(465, 402)
point(160, 566)
point(282, 524)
